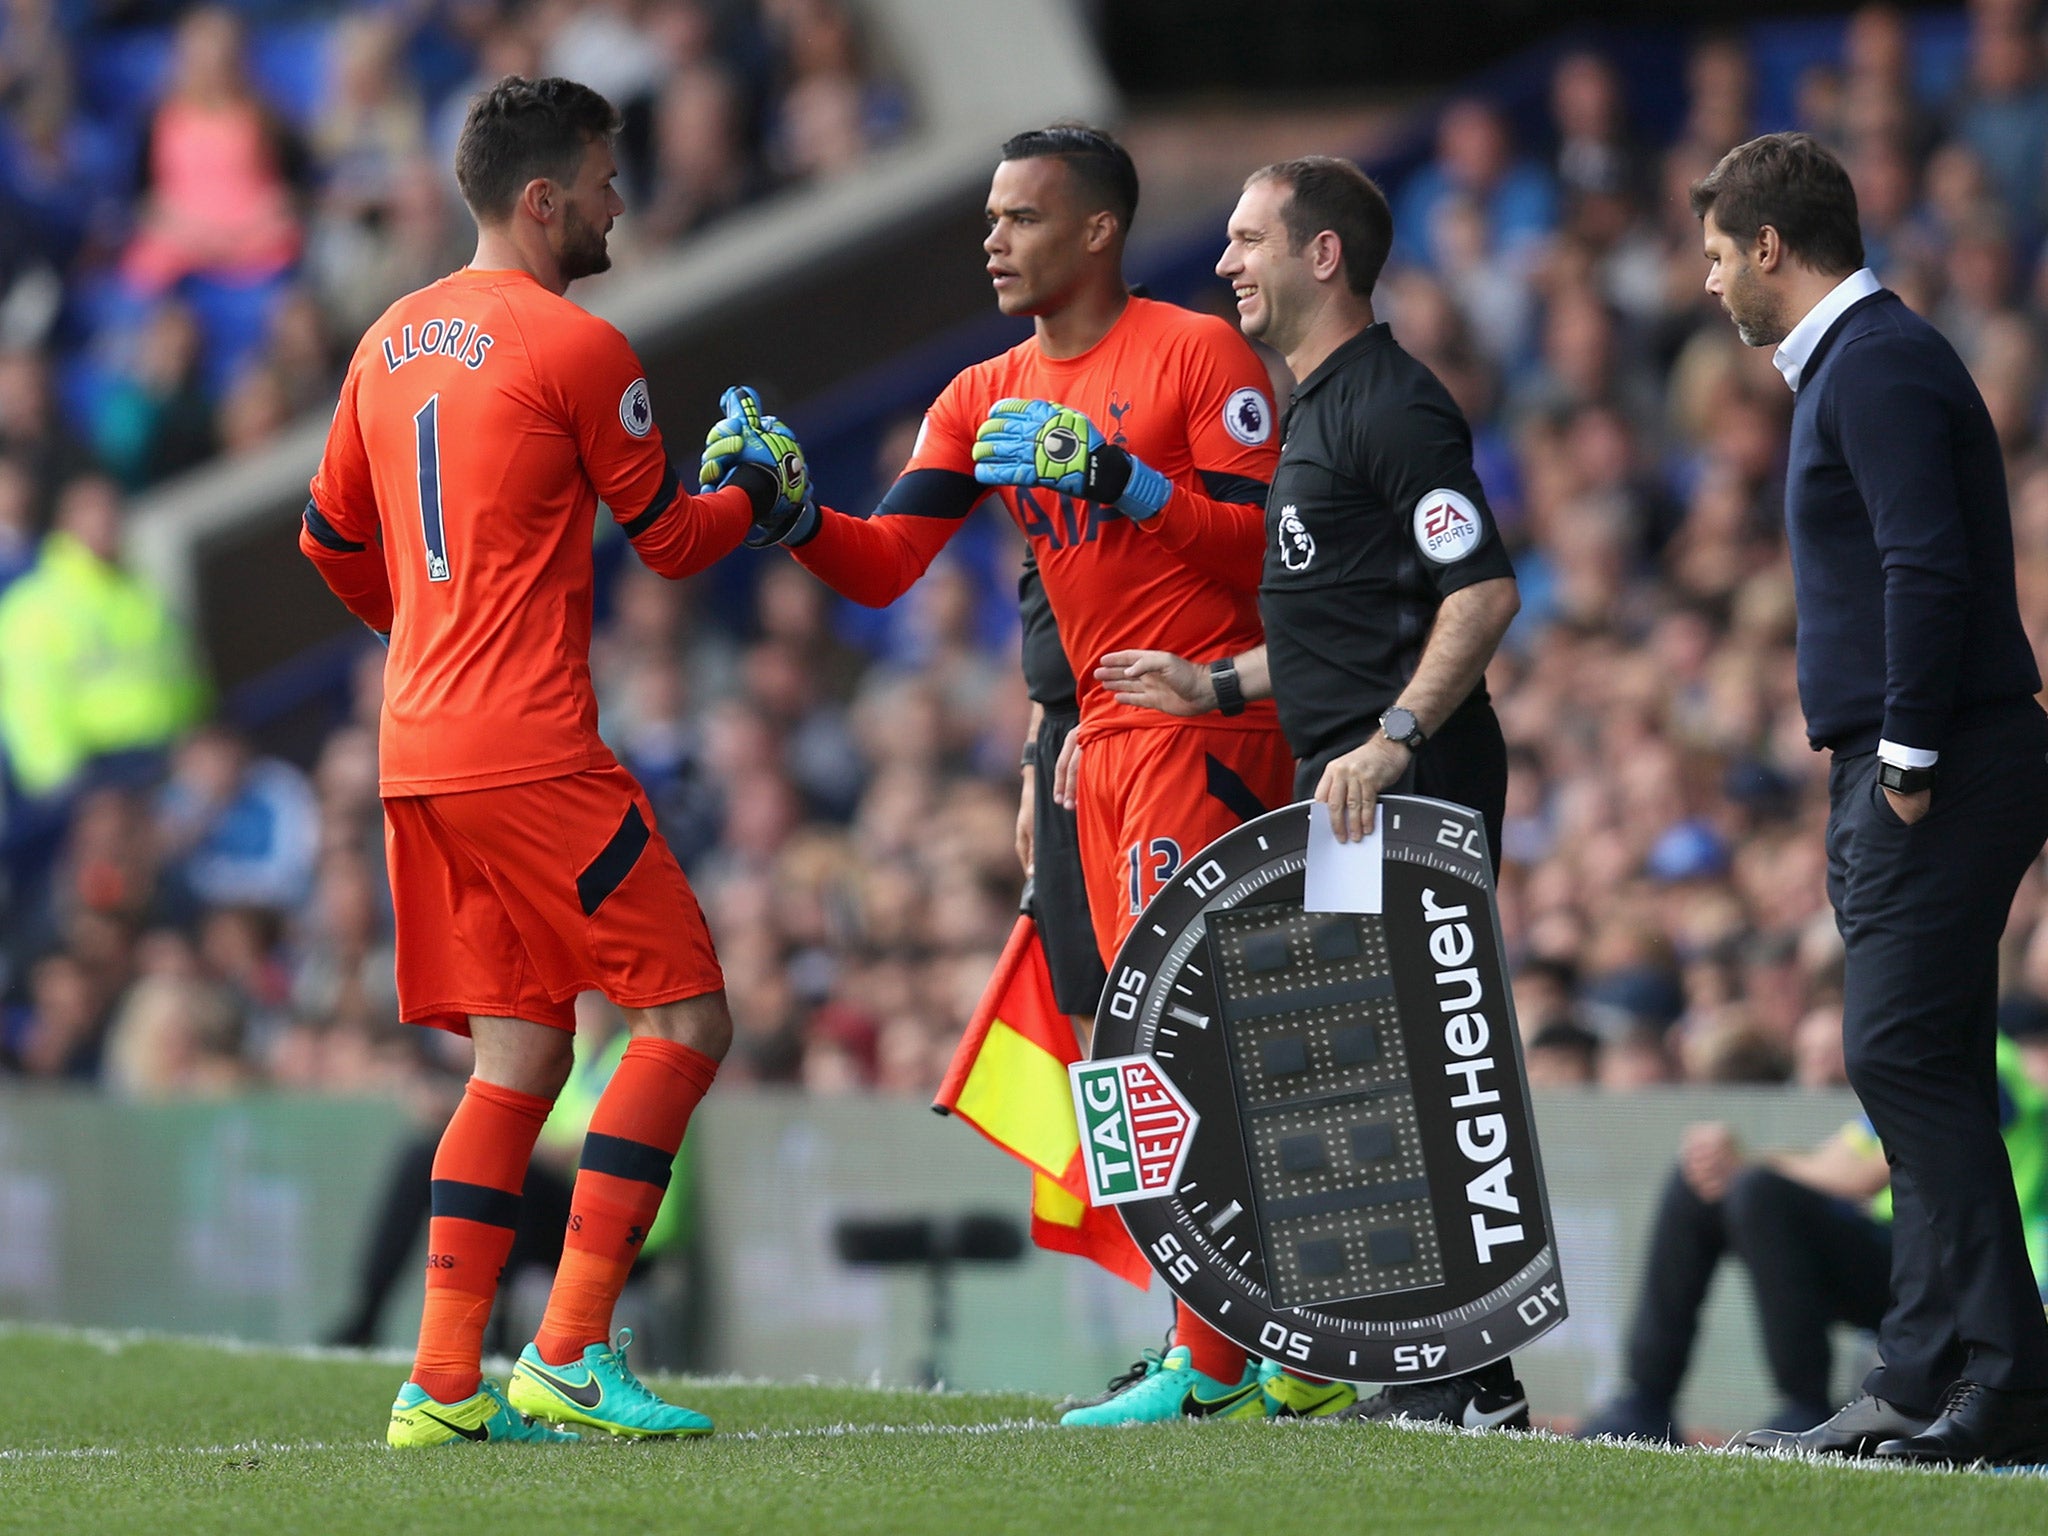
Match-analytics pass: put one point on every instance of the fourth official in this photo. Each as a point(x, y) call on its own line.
point(1386, 587)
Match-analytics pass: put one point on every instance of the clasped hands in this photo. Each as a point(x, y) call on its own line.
point(751, 445)
point(1021, 443)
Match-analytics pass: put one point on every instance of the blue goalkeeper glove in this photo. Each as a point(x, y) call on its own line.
point(764, 456)
point(1038, 442)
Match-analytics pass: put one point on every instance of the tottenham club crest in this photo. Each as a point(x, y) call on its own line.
point(1316, 1124)
point(1248, 418)
point(1447, 526)
point(1297, 548)
point(636, 411)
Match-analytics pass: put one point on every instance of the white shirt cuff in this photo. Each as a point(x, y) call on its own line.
point(1906, 757)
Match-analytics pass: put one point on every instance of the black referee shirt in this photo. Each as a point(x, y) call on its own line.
point(1375, 517)
point(1048, 676)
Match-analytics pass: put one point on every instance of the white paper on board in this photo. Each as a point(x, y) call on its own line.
point(1342, 877)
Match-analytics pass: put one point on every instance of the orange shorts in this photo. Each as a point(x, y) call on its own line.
point(1151, 799)
point(512, 900)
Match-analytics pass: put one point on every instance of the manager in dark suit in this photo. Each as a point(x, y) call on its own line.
point(1915, 673)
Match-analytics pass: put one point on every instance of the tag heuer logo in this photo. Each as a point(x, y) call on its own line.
point(1136, 1128)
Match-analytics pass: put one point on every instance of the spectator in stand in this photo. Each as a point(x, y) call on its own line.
point(2002, 114)
point(699, 154)
point(1879, 99)
point(257, 407)
point(369, 141)
point(1721, 90)
point(419, 239)
point(95, 663)
point(1475, 157)
point(236, 829)
point(1595, 151)
point(219, 169)
point(61, 175)
point(372, 123)
point(174, 1037)
point(153, 419)
point(31, 432)
point(58, 1037)
point(830, 114)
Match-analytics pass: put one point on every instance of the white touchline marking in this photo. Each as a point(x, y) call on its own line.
point(838, 1431)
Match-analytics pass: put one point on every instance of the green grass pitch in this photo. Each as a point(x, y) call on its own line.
point(106, 1433)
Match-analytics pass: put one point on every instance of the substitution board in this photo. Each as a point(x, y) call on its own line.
point(1316, 1125)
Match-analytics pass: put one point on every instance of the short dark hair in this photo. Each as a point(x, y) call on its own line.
point(1794, 183)
point(1326, 192)
point(1101, 165)
point(519, 129)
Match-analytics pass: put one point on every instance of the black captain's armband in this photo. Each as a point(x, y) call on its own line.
point(664, 498)
point(326, 534)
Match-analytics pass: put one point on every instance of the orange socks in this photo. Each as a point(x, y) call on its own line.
point(479, 1171)
point(1208, 1351)
point(627, 1157)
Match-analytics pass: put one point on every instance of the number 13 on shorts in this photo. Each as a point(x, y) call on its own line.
point(1150, 863)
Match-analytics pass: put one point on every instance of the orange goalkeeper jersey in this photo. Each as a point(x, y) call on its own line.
point(481, 421)
point(1185, 393)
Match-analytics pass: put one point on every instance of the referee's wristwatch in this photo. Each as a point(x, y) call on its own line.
point(1905, 781)
point(1401, 725)
point(1228, 687)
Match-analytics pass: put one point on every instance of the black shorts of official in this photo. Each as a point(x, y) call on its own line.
point(1465, 762)
point(1059, 899)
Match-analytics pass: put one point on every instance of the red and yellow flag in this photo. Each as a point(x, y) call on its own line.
point(1009, 1081)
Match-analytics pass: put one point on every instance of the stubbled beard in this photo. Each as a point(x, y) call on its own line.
point(583, 249)
point(1753, 334)
point(1759, 316)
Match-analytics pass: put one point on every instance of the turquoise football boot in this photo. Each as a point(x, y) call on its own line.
point(1176, 1391)
point(599, 1390)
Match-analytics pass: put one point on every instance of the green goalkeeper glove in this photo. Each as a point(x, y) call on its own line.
point(1039, 442)
point(764, 456)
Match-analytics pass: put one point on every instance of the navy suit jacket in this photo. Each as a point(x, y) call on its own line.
point(1901, 539)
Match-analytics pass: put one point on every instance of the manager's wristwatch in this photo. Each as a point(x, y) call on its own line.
point(1905, 781)
point(1402, 726)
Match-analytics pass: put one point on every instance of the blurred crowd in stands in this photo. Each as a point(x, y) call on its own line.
point(842, 789)
point(202, 209)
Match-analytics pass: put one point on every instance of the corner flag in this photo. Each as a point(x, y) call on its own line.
point(1009, 1081)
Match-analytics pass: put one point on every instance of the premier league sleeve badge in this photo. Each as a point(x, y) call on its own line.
point(1316, 1125)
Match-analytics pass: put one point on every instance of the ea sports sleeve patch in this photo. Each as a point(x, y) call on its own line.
point(1447, 525)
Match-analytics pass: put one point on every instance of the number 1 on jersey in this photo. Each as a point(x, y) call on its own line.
point(427, 429)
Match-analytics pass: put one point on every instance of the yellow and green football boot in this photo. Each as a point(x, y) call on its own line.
point(599, 1390)
point(1176, 1391)
point(418, 1421)
point(1289, 1397)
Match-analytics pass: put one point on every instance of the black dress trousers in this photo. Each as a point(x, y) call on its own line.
point(1921, 910)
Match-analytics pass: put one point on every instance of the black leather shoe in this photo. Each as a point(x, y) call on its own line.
point(1855, 1431)
point(1979, 1425)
